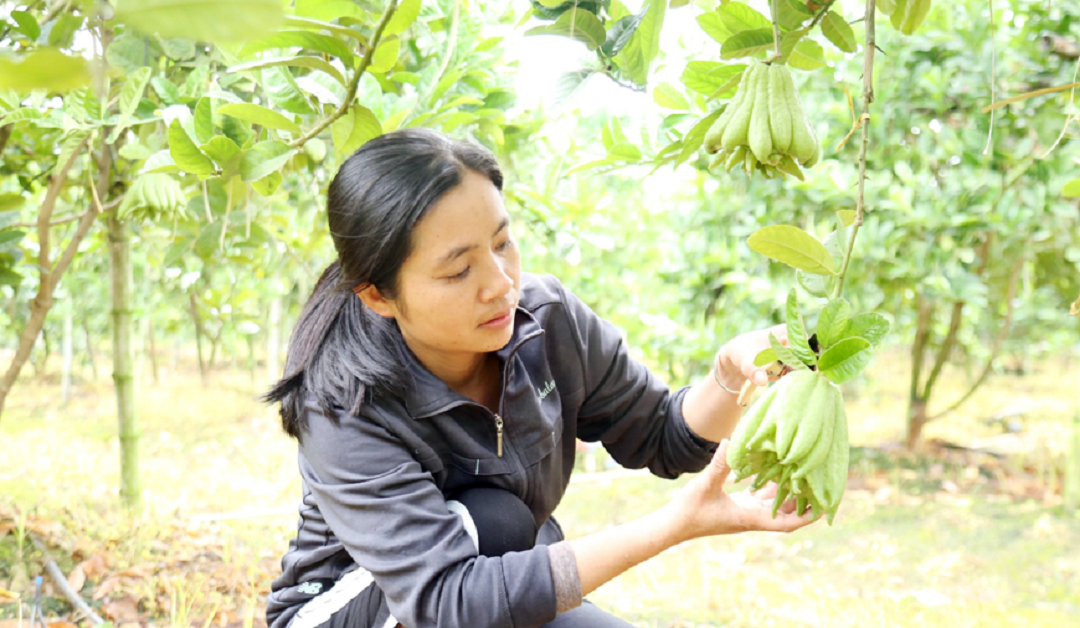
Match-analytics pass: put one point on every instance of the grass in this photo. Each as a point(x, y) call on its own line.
point(953, 539)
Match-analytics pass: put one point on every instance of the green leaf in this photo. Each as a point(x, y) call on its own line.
point(641, 50)
point(794, 247)
point(845, 360)
point(11, 236)
point(907, 21)
point(668, 97)
point(713, 25)
point(839, 32)
point(386, 55)
point(577, 24)
point(133, 90)
point(62, 33)
point(620, 33)
point(203, 121)
point(747, 43)
point(706, 77)
point(1072, 189)
point(225, 152)
point(847, 216)
point(329, 10)
point(71, 142)
point(404, 16)
point(27, 24)
point(185, 153)
point(264, 158)
point(283, 92)
point(9, 277)
point(178, 48)
point(694, 138)
point(739, 17)
point(45, 68)
point(806, 55)
point(785, 355)
point(260, 115)
point(302, 61)
point(166, 90)
point(160, 161)
point(354, 129)
point(869, 325)
point(202, 20)
point(268, 184)
point(301, 39)
point(21, 114)
point(817, 285)
point(10, 201)
point(765, 358)
point(792, 14)
point(796, 330)
point(832, 322)
point(128, 53)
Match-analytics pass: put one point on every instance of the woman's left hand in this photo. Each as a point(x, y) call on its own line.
point(735, 360)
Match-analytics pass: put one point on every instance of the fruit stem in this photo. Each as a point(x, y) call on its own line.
point(775, 31)
point(868, 98)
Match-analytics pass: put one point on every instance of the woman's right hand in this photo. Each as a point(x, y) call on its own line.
point(703, 508)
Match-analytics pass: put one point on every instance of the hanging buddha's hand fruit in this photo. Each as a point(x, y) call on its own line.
point(796, 436)
point(764, 128)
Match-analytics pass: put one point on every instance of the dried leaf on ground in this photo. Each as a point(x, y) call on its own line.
point(77, 578)
point(122, 610)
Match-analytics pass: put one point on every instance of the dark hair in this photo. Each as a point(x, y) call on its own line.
point(341, 352)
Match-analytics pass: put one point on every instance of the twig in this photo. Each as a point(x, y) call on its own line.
point(350, 93)
point(864, 121)
point(1038, 92)
point(111, 205)
point(993, 82)
point(61, 583)
point(775, 30)
point(1068, 118)
point(821, 14)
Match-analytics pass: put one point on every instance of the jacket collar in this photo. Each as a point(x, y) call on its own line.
point(426, 395)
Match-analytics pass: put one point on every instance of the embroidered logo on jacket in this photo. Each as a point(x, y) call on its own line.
point(309, 588)
point(550, 386)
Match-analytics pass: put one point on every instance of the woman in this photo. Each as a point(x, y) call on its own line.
point(436, 393)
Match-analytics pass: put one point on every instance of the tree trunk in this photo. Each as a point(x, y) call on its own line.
point(151, 348)
point(273, 342)
point(120, 272)
point(915, 423)
point(194, 307)
point(65, 380)
point(89, 348)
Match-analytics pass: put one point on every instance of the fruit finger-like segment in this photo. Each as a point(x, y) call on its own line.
point(801, 503)
point(836, 466)
point(735, 132)
point(787, 165)
point(796, 391)
point(748, 428)
point(779, 111)
point(818, 410)
point(783, 490)
point(714, 138)
point(751, 162)
point(760, 135)
point(767, 475)
point(737, 157)
point(803, 142)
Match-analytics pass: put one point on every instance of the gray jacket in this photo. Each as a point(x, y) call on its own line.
point(375, 485)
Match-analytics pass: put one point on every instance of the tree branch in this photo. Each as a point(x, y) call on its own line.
point(107, 207)
point(350, 93)
point(864, 149)
point(999, 340)
point(946, 347)
point(918, 348)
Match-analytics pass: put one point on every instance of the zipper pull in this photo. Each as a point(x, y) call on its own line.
point(498, 435)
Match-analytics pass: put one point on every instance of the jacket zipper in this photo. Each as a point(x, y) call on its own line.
point(498, 435)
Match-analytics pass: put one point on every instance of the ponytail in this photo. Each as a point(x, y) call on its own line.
point(339, 353)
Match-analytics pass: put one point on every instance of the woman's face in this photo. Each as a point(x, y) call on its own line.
point(460, 285)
